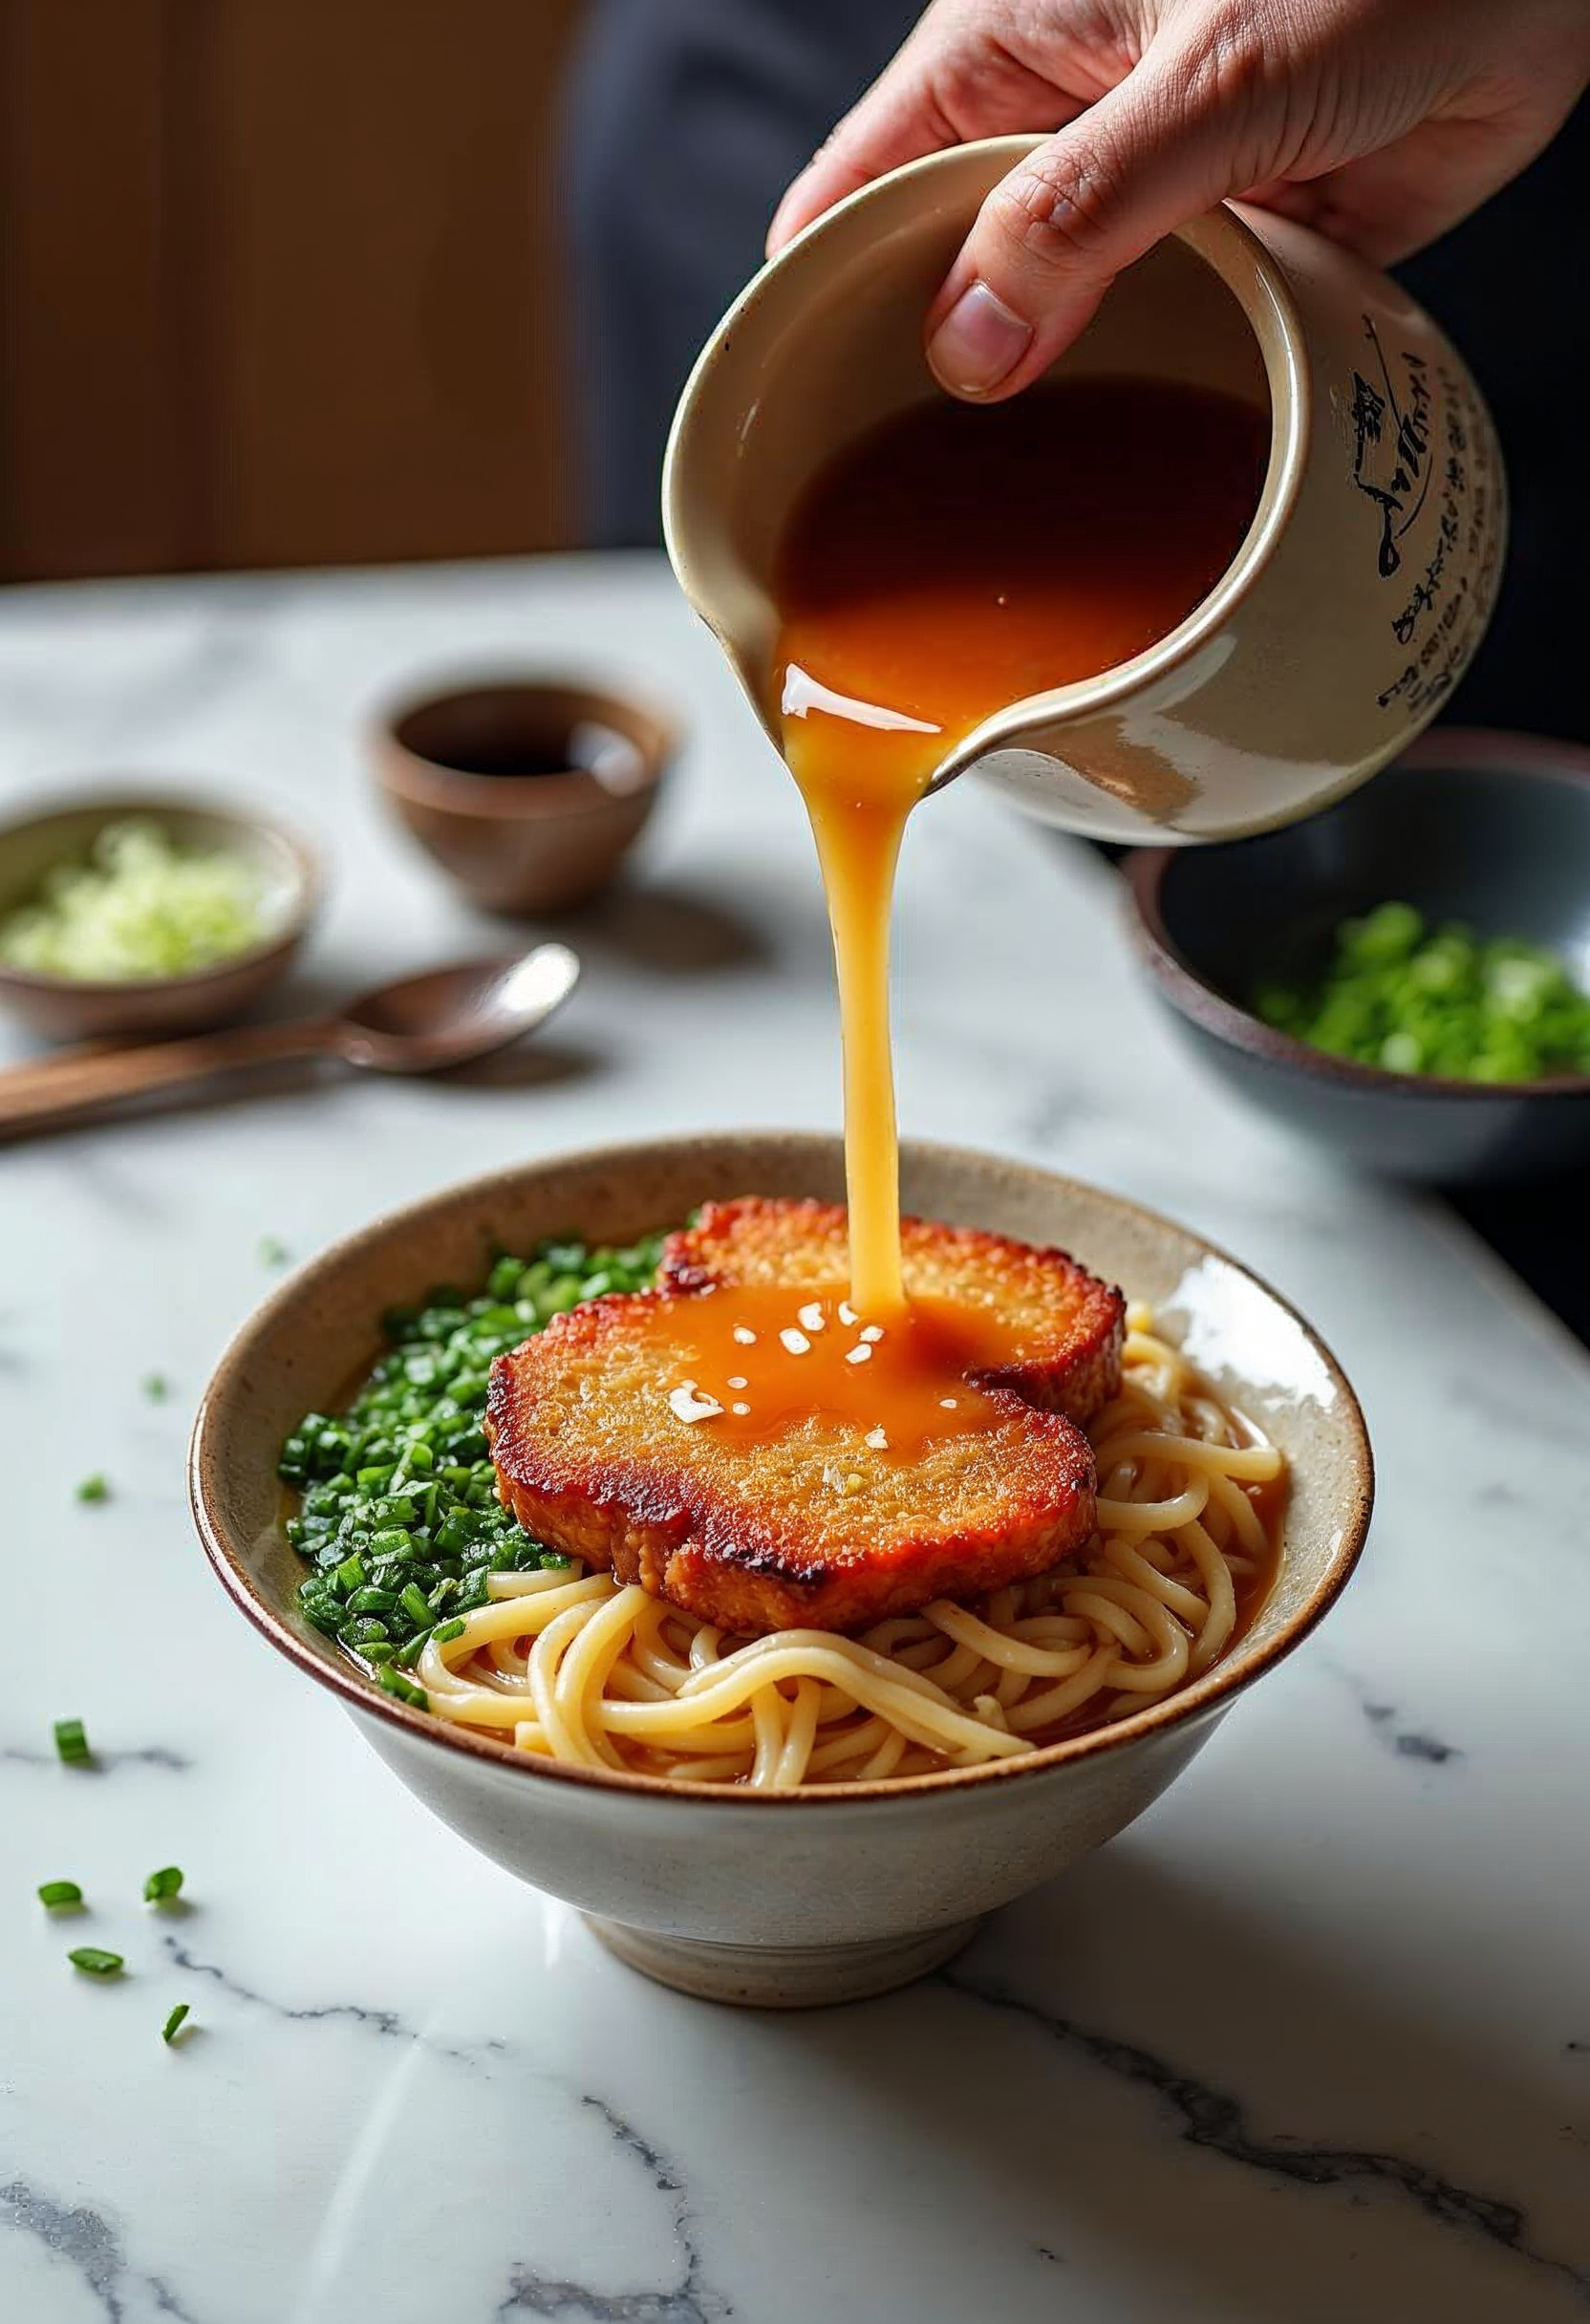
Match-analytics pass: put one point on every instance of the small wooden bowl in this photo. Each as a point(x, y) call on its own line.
point(528, 794)
point(75, 1009)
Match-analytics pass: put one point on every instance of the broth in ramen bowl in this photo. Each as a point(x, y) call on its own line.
point(822, 1890)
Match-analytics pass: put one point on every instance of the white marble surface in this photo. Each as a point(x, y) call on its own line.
point(1312, 2041)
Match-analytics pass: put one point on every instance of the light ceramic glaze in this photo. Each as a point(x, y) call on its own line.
point(828, 1893)
point(1354, 604)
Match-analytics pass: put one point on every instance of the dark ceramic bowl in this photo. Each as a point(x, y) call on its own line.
point(1490, 828)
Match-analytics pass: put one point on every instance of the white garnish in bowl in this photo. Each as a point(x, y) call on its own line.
point(871, 1333)
point(859, 1355)
point(878, 1439)
point(948, 1402)
point(686, 1405)
point(740, 1411)
point(745, 1336)
point(738, 1379)
point(795, 1341)
point(847, 1313)
point(810, 1317)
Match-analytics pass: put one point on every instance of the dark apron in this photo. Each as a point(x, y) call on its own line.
point(688, 117)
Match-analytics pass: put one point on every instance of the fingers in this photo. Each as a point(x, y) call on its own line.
point(1050, 239)
point(946, 85)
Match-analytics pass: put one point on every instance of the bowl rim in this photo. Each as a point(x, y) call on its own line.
point(1215, 1691)
point(309, 889)
point(1459, 749)
point(569, 793)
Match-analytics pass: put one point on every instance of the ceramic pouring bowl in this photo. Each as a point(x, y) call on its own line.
point(75, 1009)
point(828, 1893)
point(1355, 603)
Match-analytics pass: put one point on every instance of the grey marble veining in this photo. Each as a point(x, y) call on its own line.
point(1311, 2041)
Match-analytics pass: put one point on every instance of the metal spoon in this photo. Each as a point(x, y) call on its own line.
point(420, 1025)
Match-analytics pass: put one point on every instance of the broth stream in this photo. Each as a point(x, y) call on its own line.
point(954, 561)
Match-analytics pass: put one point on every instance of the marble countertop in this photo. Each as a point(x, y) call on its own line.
point(1312, 2040)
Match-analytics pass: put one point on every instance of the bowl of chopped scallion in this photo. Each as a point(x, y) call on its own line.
point(146, 915)
point(1406, 977)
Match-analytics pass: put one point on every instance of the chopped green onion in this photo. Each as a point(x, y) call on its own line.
point(71, 1742)
point(58, 1894)
point(137, 903)
point(157, 1387)
point(93, 1488)
point(400, 1521)
point(168, 2032)
point(371, 1601)
point(1398, 994)
point(322, 1607)
point(273, 1253)
point(95, 1963)
point(402, 1688)
point(166, 1883)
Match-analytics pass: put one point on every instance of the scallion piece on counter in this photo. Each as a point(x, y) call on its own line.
point(57, 1895)
point(274, 1252)
point(166, 1883)
point(93, 1488)
point(93, 1962)
point(71, 1742)
point(157, 1387)
point(168, 2032)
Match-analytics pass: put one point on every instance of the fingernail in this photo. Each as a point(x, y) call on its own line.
point(774, 237)
point(979, 343)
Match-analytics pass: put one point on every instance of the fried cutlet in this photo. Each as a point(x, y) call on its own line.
point(615, 1442)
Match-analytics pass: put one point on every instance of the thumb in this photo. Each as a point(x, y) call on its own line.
point(1052, 236)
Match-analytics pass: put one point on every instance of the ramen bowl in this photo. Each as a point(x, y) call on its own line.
point(823, 1893)
point(1489, 829)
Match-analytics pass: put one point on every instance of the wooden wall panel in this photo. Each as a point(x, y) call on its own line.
point(279, 281)
point(386, 349)
point(88, 396)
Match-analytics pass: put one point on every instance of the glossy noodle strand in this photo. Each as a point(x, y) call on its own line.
point(579, 1667)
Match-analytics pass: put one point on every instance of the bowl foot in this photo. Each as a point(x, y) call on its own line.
point(782, 1977)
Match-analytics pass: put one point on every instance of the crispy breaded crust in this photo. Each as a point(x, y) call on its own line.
point(757, 1538)
point(1073, 1319)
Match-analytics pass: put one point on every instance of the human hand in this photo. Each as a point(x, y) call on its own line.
point(1381, 123)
